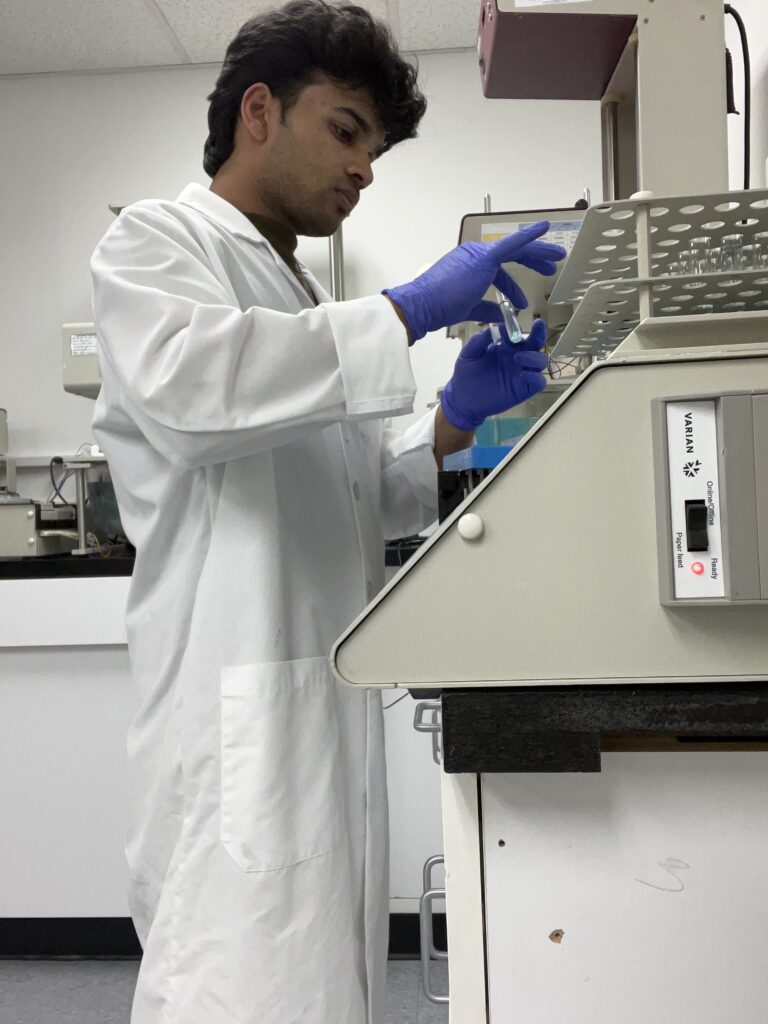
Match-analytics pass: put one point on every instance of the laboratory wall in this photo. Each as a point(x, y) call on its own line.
point(73, 144)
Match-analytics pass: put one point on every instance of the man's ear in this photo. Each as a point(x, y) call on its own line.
point(257, 111)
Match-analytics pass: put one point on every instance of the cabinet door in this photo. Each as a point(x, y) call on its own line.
point(638, 894)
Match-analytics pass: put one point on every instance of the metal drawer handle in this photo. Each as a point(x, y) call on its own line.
point(427, 932)
point(433, 708)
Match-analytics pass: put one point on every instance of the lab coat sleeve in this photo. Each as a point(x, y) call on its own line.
point(207, 381)
point(408, 478)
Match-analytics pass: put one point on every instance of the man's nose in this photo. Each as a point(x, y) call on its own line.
point(362, 171)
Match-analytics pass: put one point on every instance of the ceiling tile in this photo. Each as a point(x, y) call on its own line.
point(206, 29)
point(82, 35)
point(438, 24)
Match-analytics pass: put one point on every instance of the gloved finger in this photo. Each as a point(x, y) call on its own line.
point(478, 345)
point(544, 267)
point(532, 382)
point(513, 291)
point(485, 313)
point(530, 360)
point(544, 251)
point(507, 248)
point(537, 338)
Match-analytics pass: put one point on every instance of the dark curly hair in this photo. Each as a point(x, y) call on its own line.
point(290, 47)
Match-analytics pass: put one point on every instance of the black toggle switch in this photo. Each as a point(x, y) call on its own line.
point(696, 525)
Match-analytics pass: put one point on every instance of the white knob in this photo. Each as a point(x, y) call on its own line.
point(31, 542)
point(471, 526)
point(30, 515)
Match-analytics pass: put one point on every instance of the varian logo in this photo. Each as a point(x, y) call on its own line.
point(692, 468)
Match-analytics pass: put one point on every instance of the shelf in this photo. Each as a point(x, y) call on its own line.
point(606, 248)
point(609, 311)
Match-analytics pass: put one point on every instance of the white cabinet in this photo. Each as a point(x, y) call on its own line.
point(66, 698)
point(635, 894)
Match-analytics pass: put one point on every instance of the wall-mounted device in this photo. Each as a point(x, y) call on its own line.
point(81, 374)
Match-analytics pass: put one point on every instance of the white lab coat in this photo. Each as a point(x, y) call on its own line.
point(257, 477)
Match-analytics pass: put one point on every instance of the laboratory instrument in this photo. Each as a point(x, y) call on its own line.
point(623, 544)
point(80, 361)
point(625, 54)
point(30, 529)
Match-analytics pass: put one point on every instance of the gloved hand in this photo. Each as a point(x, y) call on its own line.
point(489, 379)
point(452, 289)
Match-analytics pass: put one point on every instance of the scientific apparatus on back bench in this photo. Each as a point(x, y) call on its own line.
point(656, 66)
point(604, 589)
point(80, 360)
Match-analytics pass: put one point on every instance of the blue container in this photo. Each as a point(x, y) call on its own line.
point(503, 430)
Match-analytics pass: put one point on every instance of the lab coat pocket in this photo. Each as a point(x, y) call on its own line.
point(280, 775)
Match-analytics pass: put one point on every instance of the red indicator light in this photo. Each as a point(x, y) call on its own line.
point(698, 568)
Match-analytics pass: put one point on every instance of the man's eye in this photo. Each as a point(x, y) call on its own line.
point(342, 133)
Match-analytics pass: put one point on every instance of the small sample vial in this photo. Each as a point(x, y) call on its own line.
point(760, 239)
point(714, 260)
point(733, 256)
point(510, 322)
point(688, 260)
point(750, 255)
point(701, 247)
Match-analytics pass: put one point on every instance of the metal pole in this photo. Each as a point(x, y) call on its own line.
point(487, 202)
point(336, 256)
point(82, 543)
point(610, 133)
point(7, 475)
point(643, 229)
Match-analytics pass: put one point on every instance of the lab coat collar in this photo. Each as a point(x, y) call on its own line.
point(228, 216)
point(222, 212)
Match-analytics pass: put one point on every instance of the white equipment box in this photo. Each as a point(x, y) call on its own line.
point(619, 557)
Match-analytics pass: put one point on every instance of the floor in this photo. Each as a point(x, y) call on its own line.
point(99, 992)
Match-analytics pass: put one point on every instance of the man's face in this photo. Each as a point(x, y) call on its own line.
point(320, 158)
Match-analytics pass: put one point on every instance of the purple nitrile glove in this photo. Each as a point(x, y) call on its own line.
point(490, 379)
point(452, 290)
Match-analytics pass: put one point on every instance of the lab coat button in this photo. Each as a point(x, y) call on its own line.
point(356, 490)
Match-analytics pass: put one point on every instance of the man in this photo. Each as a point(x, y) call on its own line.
point(243, 416)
